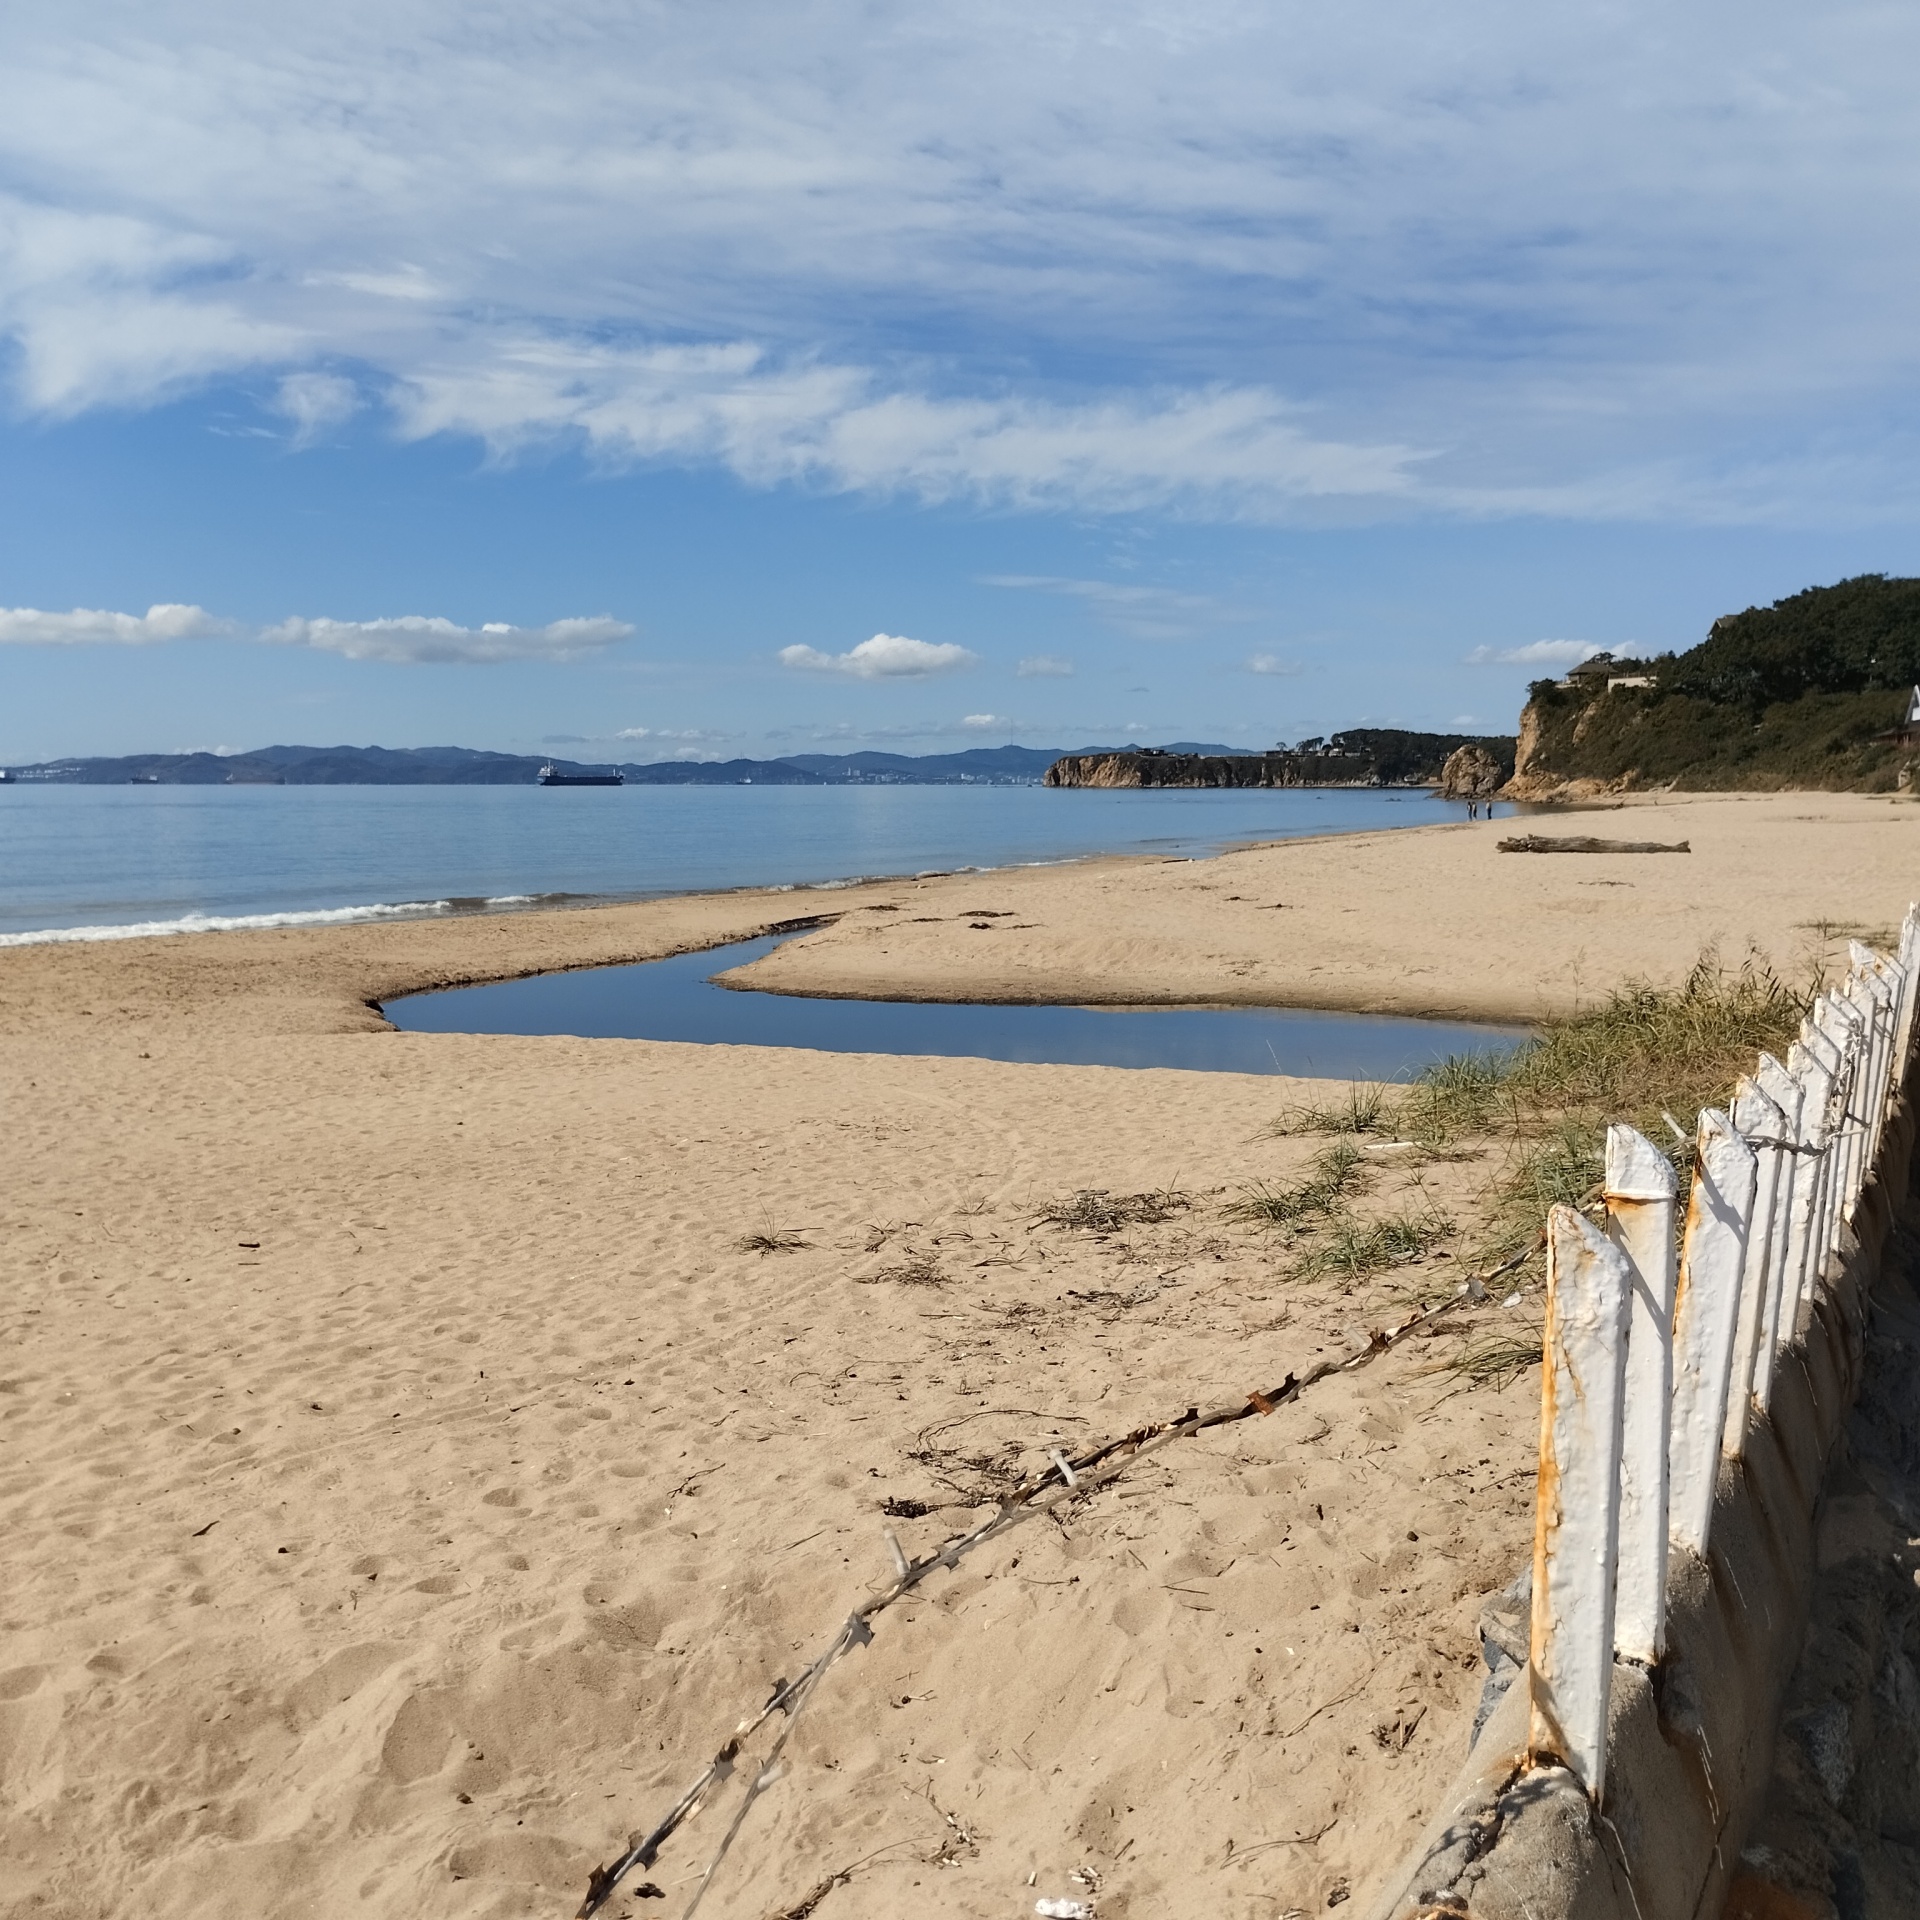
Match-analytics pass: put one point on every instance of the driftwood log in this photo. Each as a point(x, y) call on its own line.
point(1584, 843)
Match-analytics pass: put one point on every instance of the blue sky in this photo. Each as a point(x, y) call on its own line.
point(652, 380)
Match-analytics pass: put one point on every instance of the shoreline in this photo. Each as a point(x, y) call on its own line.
point(1426, 922)
point(419, 1448)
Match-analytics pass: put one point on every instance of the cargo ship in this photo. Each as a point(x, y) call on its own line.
point(551, 776)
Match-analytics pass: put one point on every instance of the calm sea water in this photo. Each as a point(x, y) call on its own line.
point(88, 862)
point(675, 1000)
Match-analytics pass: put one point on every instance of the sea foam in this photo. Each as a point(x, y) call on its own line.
point(240, 922)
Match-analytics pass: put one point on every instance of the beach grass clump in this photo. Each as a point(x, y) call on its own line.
point(1645, 1048)
point(917, 1270)
point(1464, 1093)
point(1099, 1211)
point(1356, 1249)
point(770, 1239)
point(1495, 1358)
point(1366, 1109)
point(1333, 1174)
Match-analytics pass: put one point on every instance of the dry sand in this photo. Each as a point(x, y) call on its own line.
point(409, 1479)
point(1433, 922)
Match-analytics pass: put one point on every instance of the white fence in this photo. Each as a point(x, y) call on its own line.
point(1655, 1370)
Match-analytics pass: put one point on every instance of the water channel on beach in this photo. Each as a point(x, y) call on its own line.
point(676, 1000)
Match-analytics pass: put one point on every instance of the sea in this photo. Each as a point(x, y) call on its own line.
point(95, 863)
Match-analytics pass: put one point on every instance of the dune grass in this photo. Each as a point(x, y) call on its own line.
point(1642, 1054)
point(1366, 1109)
point(1334, 1173)
point(1356, 1249)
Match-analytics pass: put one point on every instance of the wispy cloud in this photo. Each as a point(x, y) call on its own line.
point(887, 656)
point(1536, 653)
point(1272, 663)
point(415, 638)
point(1493, 255)
point(316, 403)
point(1044, 666)
point(1145, 612)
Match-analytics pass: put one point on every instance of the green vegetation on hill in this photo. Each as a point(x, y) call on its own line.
point(1805, 693)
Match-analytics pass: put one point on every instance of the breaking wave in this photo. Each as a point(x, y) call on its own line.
point(248, 922)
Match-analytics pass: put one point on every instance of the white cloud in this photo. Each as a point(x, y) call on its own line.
point(887, 656)
point(1044, 666)
point(316, 402)
point(763, 237)
point(412, 637)
point(427, 639)
point(985, 722)
point(1224, 449)
point(1271, 663)
point(90, 626)
point(670, 733)
point(1536, 653)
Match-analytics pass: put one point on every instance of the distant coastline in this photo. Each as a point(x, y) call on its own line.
point(344, 766)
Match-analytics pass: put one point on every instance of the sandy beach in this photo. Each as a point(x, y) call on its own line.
point(410, 1477)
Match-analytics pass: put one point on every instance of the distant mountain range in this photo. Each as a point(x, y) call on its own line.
point(471, 767)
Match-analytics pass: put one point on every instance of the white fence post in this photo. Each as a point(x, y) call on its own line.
point(1821, 1064)
point(1640, 1188)
point(1909, 959)
point(1881, 978)
point(1762, 1123)
point(1873, 995)
point(1709, 1307)
point(1576, 1533)
point(1896, 978)
point(1784, 1087)
point(1846, 1027)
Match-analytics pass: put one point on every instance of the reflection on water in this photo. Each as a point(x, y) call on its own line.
point(676, 1000)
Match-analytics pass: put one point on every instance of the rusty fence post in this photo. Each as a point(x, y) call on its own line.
point(1640, 1194)
point(1576, 1534)
point(1708, 1312)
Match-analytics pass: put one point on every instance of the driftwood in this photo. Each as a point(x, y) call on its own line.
point(1585, 843)
point(1063, 1481)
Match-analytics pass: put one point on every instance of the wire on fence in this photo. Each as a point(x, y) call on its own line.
point(1066, 1478)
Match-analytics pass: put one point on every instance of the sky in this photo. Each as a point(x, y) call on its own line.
point(645, 381)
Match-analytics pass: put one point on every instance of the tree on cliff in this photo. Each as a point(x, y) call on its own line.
point(1808, 692)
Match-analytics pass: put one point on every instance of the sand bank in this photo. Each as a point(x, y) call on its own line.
point(1433, 921)
point(409, 1477)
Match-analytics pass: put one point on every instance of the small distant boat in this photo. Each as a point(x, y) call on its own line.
point(551, 776)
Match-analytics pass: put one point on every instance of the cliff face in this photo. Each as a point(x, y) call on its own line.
point(1163, 770)
point(1470, 773)
point(1362, 757)
point(1576, 744)
point(1808, 693)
